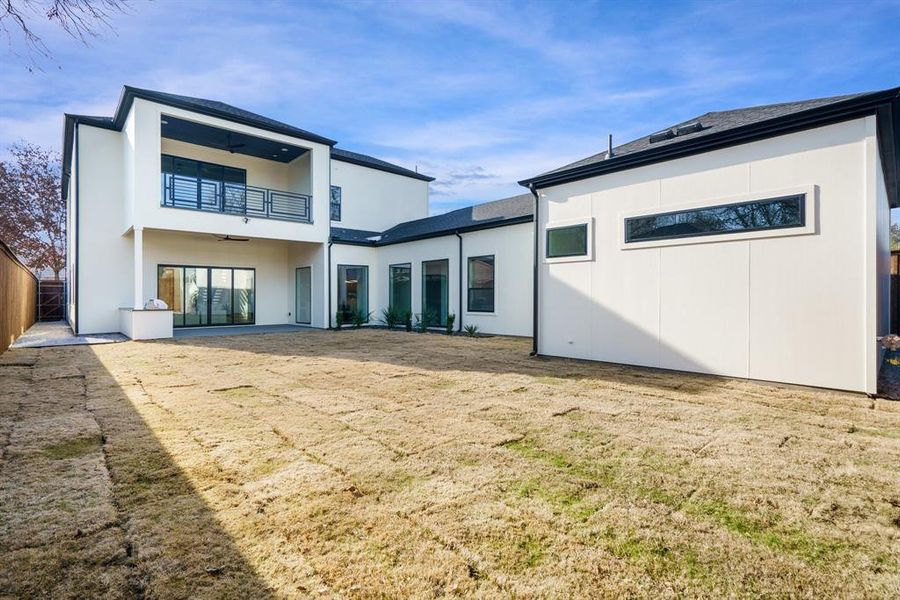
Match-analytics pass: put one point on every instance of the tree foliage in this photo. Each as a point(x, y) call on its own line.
point(32, 211)
point(895, 236)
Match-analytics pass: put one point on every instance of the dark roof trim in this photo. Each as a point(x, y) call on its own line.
point(882, 103)
point(380, 166)
point(130, 93)
point(441, 233)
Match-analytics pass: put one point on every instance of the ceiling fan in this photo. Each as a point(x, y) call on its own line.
point(231, 238)
point(231, 147)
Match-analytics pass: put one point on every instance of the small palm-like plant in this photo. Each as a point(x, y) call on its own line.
point(471, 330)
point(360, 318)
point(407, 320)
point(448, 326)
point(390, 316)
point(422, 323)
point(338, 319)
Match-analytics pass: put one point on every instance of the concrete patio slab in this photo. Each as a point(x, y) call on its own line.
point(58, 333)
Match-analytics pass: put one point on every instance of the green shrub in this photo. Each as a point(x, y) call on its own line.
point(471, 330)
point(448, 326)
point(407, 320)
point(338, 319)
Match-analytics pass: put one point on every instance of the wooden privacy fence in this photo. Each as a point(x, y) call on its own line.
point(18, 297)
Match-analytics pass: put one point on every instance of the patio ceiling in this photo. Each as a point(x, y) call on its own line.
point(231, 141)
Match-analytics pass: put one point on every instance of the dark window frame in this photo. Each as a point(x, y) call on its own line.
point(209, 269)
point(407, 265)
point(332, 204)
point(799, 198)
point(587, 242)
point(470, 289)
point(338, 289)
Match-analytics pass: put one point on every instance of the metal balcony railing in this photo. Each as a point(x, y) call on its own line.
point(179, 191)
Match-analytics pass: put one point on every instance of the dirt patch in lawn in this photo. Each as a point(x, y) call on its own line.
point(391, 464)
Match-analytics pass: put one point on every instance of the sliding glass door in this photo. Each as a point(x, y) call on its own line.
point(435, 291)
point(201, 296)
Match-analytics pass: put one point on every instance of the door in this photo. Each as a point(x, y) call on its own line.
point(303, 296)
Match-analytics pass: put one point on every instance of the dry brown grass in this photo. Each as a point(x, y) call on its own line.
point(381, 464)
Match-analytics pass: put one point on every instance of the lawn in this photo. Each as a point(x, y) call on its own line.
point(392, 464)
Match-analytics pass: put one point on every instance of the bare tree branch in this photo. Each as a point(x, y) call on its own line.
point(81, 19)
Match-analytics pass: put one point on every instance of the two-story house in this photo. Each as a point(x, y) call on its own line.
point(748, 243)
point(232, 218)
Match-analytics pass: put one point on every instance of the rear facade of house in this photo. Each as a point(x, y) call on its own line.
point(232, 218)
point(750, 243)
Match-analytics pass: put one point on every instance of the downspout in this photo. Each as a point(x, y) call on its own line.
point(329, 281)
point(534, 286)
point(460, 282)
point(77, 234)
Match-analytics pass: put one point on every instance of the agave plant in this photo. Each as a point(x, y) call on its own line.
point(407, 320)
point(471, 330)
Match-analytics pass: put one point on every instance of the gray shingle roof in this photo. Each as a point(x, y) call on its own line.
point(375, 163)
point(508, 211)
point(716, 130)
point(712, 123)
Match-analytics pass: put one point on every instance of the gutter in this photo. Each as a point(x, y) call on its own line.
point(76, 245)
point(460, 281)
point(535, 273)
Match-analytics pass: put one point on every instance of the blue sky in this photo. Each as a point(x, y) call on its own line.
point(477, 94)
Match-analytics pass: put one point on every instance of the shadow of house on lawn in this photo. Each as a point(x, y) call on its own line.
point(91, 502)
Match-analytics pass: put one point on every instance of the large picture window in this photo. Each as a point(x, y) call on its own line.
point(481, 284)
point(200, 296)
point(567, 241)
point(400, 285)
point(353, 291)
point(755, 215)
point(435, 291)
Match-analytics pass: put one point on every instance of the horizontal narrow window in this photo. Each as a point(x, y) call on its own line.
point(481, 284)
point(567, 241)
point(755, 215)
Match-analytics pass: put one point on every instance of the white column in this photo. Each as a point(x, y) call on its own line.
point(138, 267)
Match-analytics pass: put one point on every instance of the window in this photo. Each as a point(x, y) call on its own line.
point(481, 284)
point(567, 241)
point(335, 203)
point(353, 291)
point(400, 285)
point(435, 291)
point(754, 215)
point(201, 296)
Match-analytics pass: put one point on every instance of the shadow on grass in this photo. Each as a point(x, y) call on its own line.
point(92, 504)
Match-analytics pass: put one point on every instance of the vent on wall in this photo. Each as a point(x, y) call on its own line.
point(668, 134)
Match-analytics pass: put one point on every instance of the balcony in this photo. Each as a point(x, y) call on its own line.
point(200, 192)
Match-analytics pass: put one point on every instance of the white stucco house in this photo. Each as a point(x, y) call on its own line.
point(749, 243)
point(233, 218)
